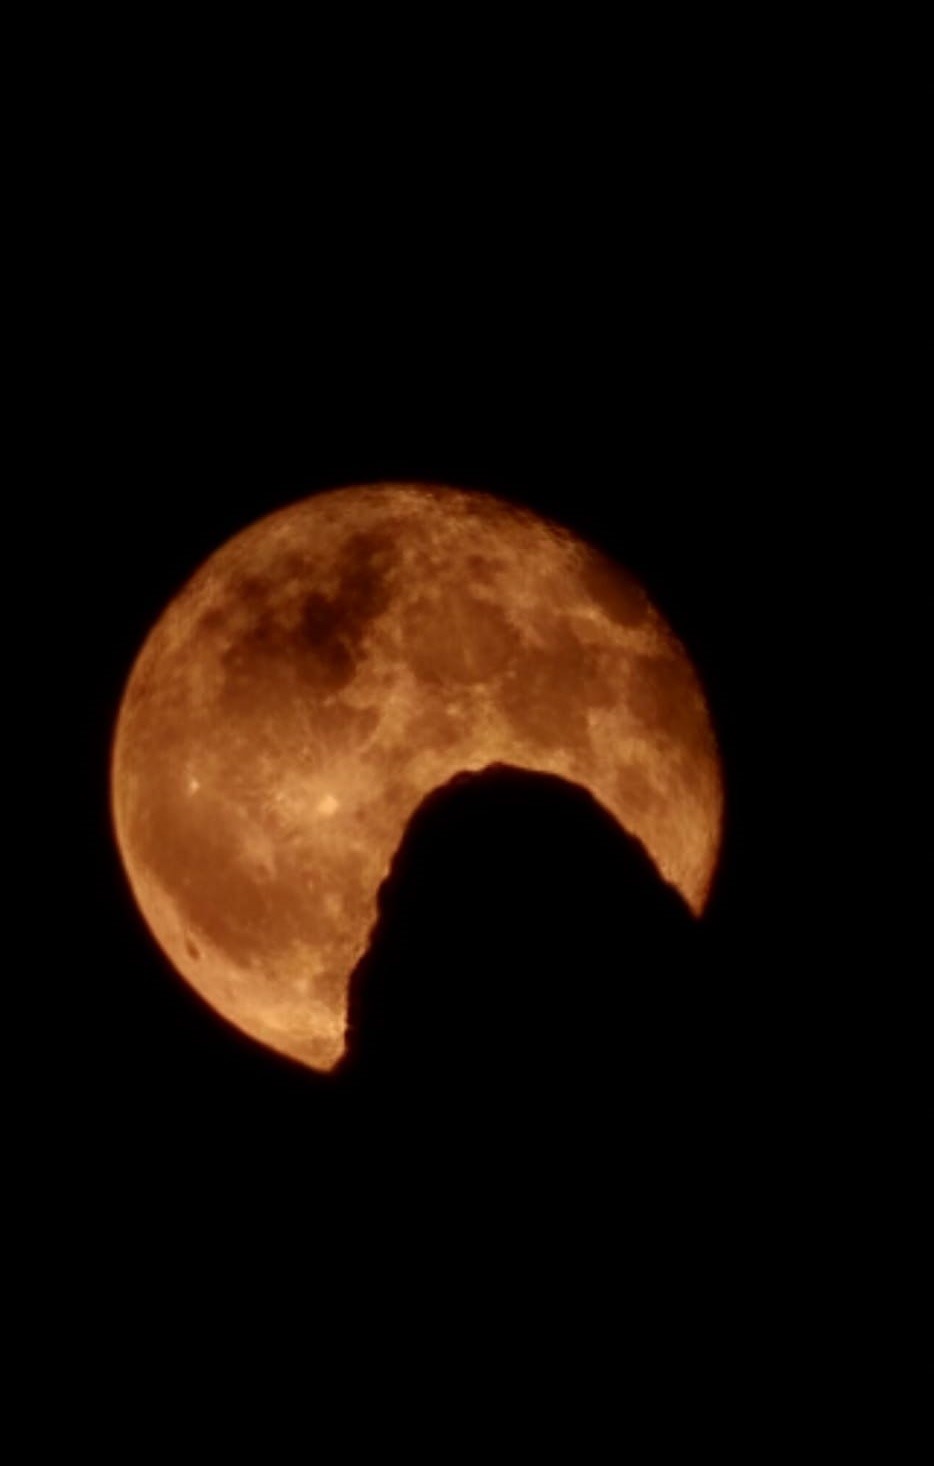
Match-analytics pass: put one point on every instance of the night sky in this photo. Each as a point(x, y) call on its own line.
point(644, 414)
point(628, 292)
point(677, 473)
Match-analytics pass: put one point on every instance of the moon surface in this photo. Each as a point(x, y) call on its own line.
point(326, 669)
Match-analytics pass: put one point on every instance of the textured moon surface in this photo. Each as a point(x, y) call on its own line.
point(326, 669)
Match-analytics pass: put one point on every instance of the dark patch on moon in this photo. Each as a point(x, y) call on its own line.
point(319, 650)
point(483, 570)
point(250, 590)
point(321, 631)
point(192, 948)
point(333, 627)
point(664, 696)
point(615, 591)
point(361, 591)
point(212, 620)
point(241, 592)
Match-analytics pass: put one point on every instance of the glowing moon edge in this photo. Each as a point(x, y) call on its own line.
point(329, 666)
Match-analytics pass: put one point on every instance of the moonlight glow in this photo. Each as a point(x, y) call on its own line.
point(325, 670)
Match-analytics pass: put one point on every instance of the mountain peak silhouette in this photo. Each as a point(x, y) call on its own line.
point(525, 941)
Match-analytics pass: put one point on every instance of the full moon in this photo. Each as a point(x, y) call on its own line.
point(326, 669)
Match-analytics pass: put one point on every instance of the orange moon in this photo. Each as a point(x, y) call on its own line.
point(326, 669)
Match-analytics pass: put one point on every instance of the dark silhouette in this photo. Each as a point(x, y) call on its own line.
point(527, 957)
point(531, 1074)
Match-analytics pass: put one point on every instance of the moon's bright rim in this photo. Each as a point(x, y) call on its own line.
point(328, 667)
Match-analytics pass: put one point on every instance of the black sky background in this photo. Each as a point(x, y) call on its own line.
point(625, 283)
point(676, 469)
point(643, 363)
